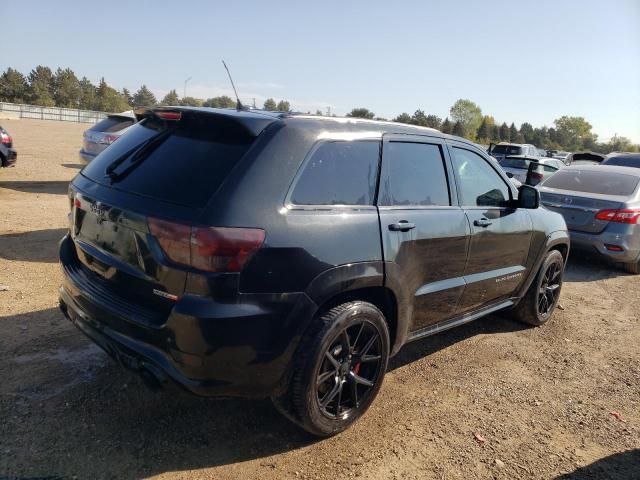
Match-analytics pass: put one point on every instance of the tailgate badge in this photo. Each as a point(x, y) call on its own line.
point(164, 294)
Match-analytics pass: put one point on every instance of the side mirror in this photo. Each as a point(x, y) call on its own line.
point(528, 197)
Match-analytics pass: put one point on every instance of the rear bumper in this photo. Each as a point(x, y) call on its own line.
point(626, 239)
point(243, 348)
point(9, 159)
point(86, 157)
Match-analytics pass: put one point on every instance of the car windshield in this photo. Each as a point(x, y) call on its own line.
point(515, 163)
point(507, 150)
point(589, 181)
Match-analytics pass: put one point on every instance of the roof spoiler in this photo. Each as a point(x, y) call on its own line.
point(252, 123)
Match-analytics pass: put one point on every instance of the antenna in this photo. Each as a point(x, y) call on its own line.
point(239, 105)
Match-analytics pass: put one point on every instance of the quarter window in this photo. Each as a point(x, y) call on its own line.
point(339, 173)
point(479, 184)
point(413, 175)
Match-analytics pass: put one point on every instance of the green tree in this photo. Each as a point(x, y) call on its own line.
point(419, 118)
point(513, 133)
point(126, 94)
point(319, 113)
point(458, 129)
point(270, 104)
point(433, 121)
point(526, 129)
point(361, 113)
point(144, 97)
point(171, 98)
point(504, 134)
point(541, 137)
point(108, 99)
point(191, 102)
point(484, 131)
point(495, 133)
point(403, 118)
point(220, 102)
point(468, 114)
point(573, 132)
point(66, 91)
point(13, 87)
point(446, 126)
point(283, 106)
point(41, 86)
point(87, 94)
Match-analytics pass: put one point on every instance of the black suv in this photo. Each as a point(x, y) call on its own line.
point(255, 254)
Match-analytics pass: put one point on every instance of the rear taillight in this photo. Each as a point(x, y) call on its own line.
point(5, 139)
point(620, 216)
point(109, 139)
point(212, 249)
point(536, 175)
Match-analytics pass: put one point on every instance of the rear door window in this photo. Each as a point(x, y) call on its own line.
point(339, 173)
point(413, 175)
point(112, 124)
point(186, 167)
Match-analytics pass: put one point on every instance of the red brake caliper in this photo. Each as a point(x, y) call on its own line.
point(356, 369)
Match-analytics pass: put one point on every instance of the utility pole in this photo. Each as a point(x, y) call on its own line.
point(184, 91)
point(328, 111)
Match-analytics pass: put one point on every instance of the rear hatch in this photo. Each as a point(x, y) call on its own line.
point(105, 132)
point(580, 194)
point(134, 205)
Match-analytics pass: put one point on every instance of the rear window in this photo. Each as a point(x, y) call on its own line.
point(339, 173)
point(112, 124)
point(186, 167)
point(603, 183)
point(624, 161)
point(515, 163)
point(507, 150)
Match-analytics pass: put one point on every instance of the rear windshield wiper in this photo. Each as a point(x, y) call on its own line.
point(136, 154)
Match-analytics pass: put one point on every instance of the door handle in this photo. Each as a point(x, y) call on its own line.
point(483, 222)
point(402, 226)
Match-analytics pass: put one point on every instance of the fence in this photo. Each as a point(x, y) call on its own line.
point(52, 113)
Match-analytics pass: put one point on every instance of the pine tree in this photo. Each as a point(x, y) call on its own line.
point(446, 126)
point(13, 87)
point(87, 94)
point(458, 129)
point(504, 133)
point(144, 98)
point(513, 133)
point(41, 86)
point(171, 98)
point(66, 90)
point(270, 104)
point(283, 106)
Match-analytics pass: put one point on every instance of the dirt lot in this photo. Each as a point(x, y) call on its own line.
point(541, 398)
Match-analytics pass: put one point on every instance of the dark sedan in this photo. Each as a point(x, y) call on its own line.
point(8, 155)
point(623, 159)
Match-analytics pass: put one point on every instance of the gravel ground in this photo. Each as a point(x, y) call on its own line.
point(491, 399)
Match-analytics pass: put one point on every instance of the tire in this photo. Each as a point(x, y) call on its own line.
point(338, 369)
point(632, 267)
point(538, 304)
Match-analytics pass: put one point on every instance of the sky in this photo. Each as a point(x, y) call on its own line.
point(518, 60)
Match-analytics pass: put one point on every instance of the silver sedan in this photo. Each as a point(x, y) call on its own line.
point(601, 206)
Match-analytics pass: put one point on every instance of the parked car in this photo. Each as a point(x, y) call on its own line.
point(601, 205)
point(584, 158)
point(530, 170)
point(276, 260)
point(8, 156)
point(623, 159)
point(561, 156)
point(104, 133)
point(504, 149)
